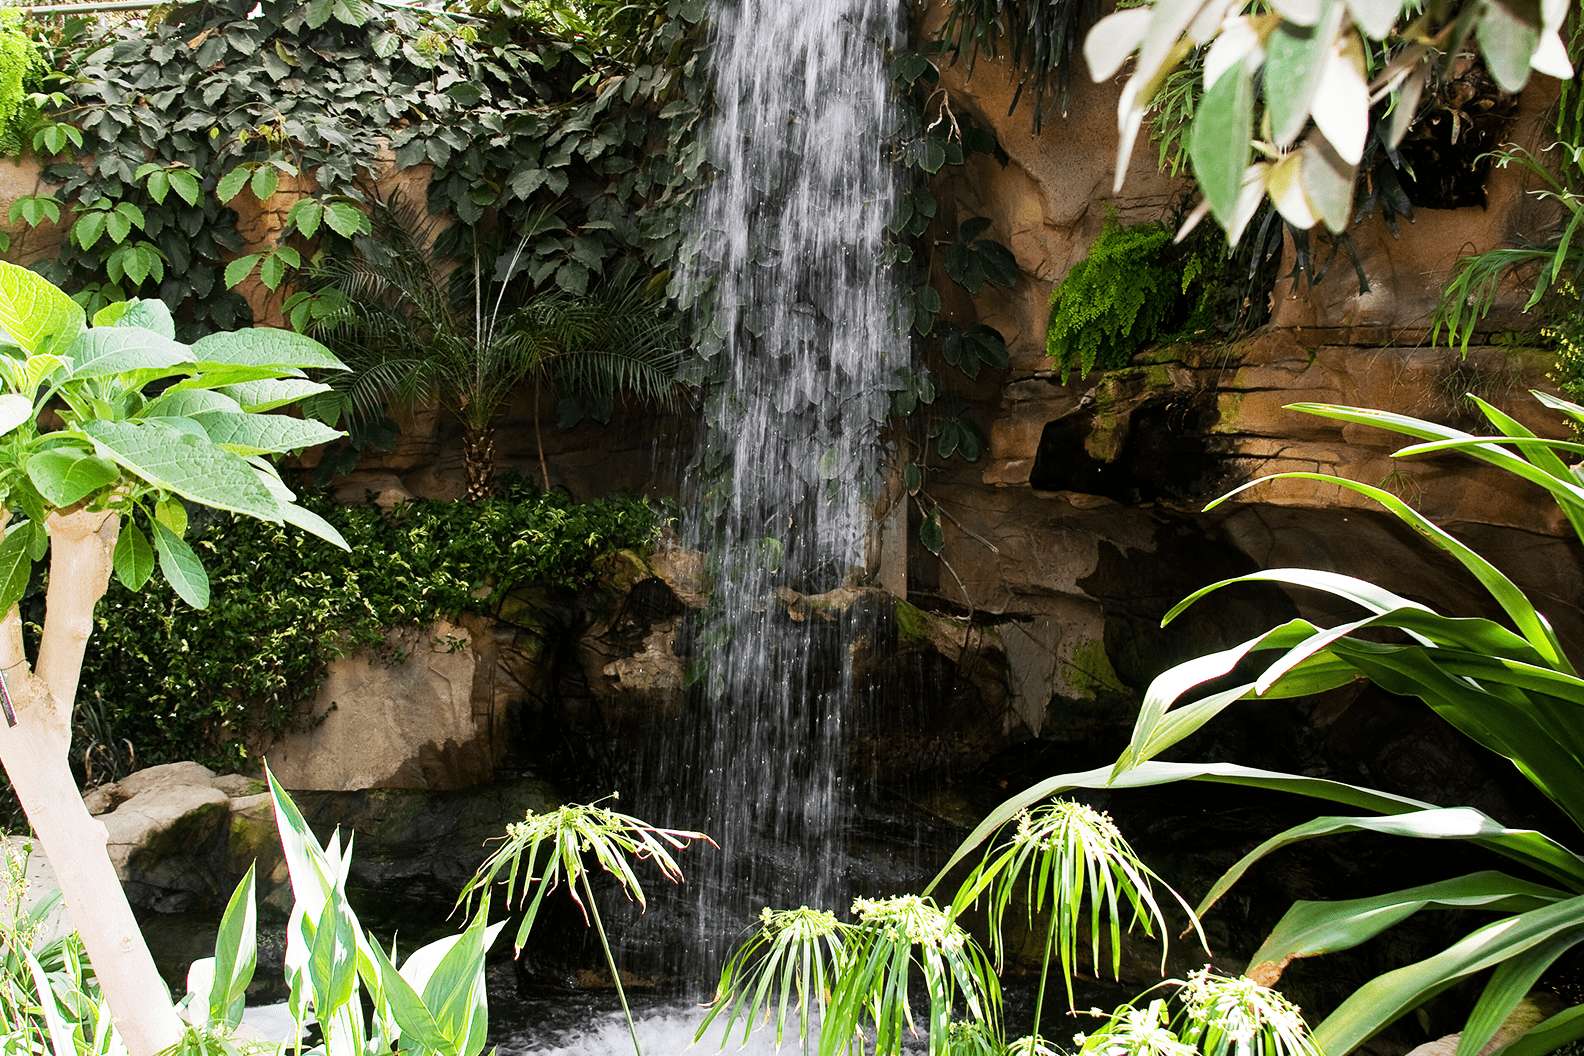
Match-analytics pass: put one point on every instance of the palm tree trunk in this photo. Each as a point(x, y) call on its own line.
point(478, 461)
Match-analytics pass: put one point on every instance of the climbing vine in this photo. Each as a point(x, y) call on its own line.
point(161, 135)
point(927, 243)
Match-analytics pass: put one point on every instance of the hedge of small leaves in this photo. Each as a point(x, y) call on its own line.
point(177, 683)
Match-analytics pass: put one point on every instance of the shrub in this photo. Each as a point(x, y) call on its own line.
point(178, 683)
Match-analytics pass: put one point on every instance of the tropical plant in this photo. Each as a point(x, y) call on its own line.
point(548, 848)
point(788, 966)
point(416, 326)
point(107, 432)
point(1309, 63)
point(1553, 262)
point(434, 1003)
point(1204, 1015)
point(851, 981)
point(891, 940)
point(1512, 688)
point(1071, 864)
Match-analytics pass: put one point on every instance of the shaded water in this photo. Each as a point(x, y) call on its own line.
point(798, 317)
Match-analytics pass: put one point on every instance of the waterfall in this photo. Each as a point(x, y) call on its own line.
point(799, 318)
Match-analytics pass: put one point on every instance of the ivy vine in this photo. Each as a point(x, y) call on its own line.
point(160, 134)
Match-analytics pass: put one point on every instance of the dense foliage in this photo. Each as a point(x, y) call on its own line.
point(1290, 102)
point(175, 683)
point(1508, 685)
point(1136, 286)
point(165, 133)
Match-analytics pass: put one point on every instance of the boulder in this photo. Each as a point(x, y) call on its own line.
point(418, 713)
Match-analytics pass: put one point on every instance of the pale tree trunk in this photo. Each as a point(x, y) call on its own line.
point(36, 756)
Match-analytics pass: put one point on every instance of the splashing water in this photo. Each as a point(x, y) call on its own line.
point(799, 318)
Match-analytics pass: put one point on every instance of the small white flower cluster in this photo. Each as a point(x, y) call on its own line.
point(910, 917)
point(1239, 1006)
point(1134, 1032)
point(803, 922)
point(1050, 826)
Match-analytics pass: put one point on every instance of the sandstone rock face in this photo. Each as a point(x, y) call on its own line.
point(170, 828)
point(415, 715)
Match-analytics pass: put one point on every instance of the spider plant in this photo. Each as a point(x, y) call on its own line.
point(565, 846)
point(787, 966)
point(1070, 863)
point(893, 938)
point(418, 327)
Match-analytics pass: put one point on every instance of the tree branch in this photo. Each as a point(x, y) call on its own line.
point(81, 546)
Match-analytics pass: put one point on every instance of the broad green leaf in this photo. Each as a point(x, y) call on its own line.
point(265, 180)
point(150, 313)
point(1532, 848)
point(182, 568)
point(1218, 140)
point(14, 410)
point(185, 184)
point(1385, 998)
point(35, 315)
point(231, 183)
point(16, 565)
point(313, 524)
point(133, 558)
point(1295, 60)
point(264, 346)
point(236, 955)
point(239, 269)
point(184, 403)
point(172, 514)
point(67, 475)
point(260, 396)
point(346, 219)
point(1309, 929)
point(176, 461)
point(259, 434)
point(106, 351)
point(406, 1007)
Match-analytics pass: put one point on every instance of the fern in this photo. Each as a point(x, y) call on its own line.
point(1127, 292)
point(21, 67)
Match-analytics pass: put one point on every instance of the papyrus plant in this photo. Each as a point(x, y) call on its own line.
point(108, 433)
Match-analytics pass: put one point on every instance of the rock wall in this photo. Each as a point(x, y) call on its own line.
point(1080, 526)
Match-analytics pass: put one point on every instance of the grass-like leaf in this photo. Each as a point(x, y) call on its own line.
point(896, 940)
point(786, 968)
point(1071, 867)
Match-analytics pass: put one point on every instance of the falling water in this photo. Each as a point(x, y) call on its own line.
point(800, 319)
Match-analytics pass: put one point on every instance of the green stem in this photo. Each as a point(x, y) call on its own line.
point(1039, 1001)
point(599, 929)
